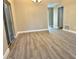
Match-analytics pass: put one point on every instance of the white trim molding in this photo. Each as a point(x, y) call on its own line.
point(6, 53)
point(69, 31)
point(30, 31)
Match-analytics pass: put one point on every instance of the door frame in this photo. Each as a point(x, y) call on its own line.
point(5, 21)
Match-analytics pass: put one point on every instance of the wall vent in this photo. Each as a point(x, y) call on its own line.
point(66, 27)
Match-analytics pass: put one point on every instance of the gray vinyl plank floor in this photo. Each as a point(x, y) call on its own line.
point(44, 45)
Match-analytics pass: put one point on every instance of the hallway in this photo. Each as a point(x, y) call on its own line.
point(44, 45)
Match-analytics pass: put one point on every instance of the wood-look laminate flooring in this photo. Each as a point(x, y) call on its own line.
point(44, 45)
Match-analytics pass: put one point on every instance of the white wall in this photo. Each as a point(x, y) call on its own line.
point(55, 17)
point(69, 13)
point(31, 16)
point(5, 45)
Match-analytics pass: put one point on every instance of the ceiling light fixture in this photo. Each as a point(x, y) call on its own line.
point(36, 0)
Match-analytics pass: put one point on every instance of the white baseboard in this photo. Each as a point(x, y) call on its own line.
point(30, 31)
point(40, 30)
point(69, 31)
point(6, 53)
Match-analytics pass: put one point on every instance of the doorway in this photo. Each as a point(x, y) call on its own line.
point(55, 17)
point(8, 22)
point(51, 16)
point(60, 17)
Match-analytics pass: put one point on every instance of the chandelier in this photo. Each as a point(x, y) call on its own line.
point(37, 1)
